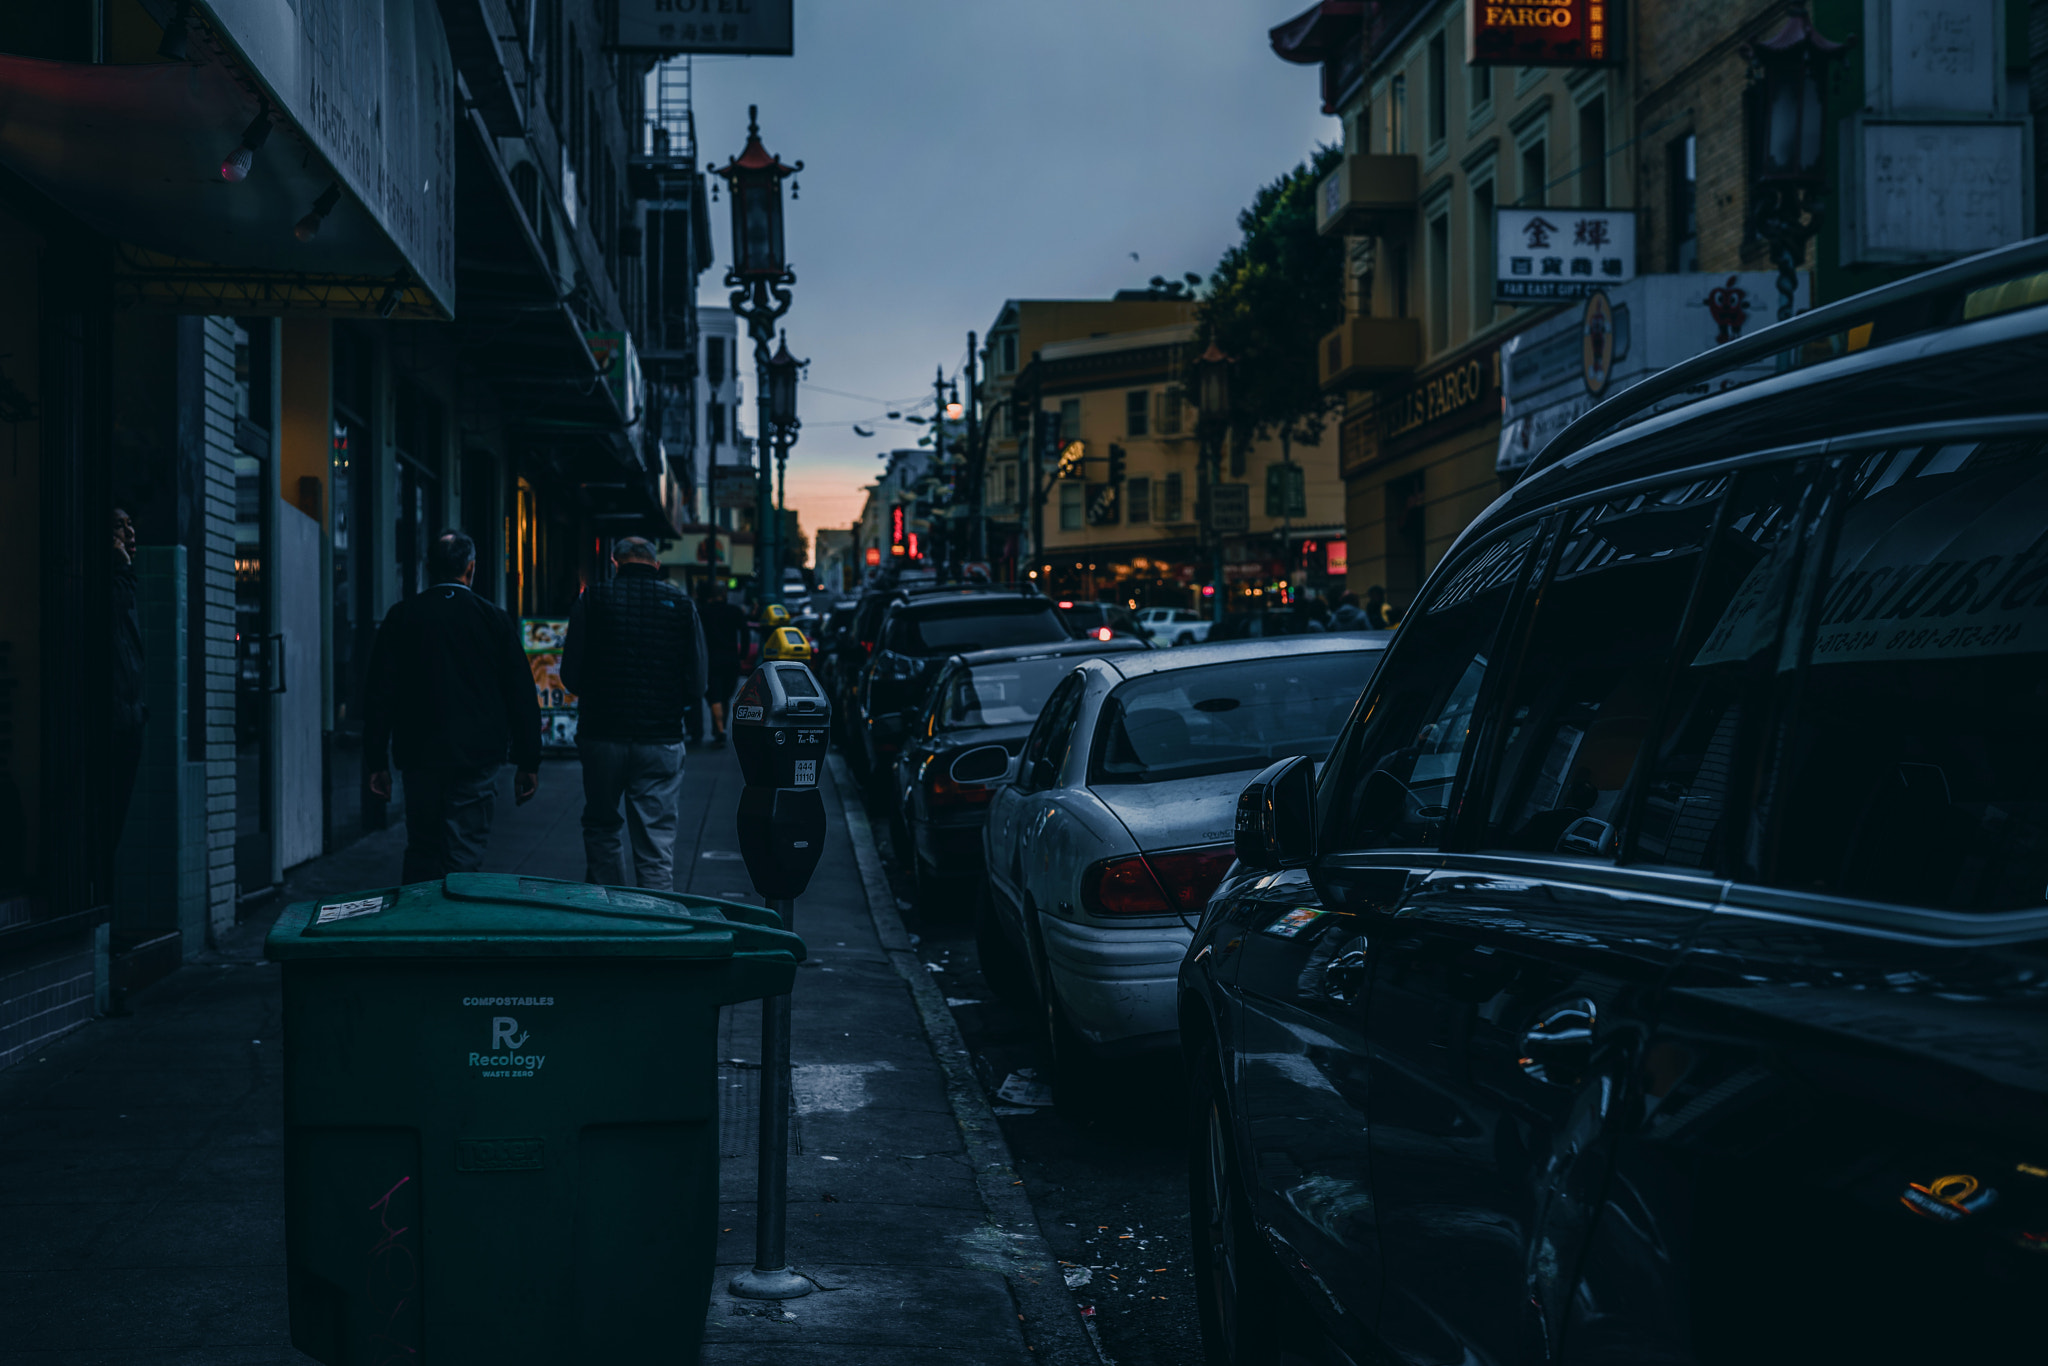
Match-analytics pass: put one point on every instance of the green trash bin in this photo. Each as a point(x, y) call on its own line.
point(501, 1117)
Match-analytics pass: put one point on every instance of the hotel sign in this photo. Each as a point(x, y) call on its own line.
point(1541, 32)
point(754, 28)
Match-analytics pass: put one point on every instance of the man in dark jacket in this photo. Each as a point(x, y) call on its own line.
point(449, 693)
point(635, 660)
point(724, 628)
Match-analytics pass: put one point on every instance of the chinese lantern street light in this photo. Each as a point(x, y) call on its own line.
point(782, 370)
point(1213, 370)
point(759, 279)
point(1789, 76)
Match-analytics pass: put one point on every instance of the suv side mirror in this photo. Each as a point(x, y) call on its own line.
point(1276, 816)
point(984, 764)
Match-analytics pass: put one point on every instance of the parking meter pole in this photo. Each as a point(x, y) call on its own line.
point(771, 1278)
point(780, 720)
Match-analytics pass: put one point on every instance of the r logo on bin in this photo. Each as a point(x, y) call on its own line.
point(502, 1030)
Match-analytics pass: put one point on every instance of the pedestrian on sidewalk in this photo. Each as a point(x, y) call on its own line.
point(724, 627)
point(450, 692)
point(635, 658)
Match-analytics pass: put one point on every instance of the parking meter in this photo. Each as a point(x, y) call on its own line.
point(780, 720)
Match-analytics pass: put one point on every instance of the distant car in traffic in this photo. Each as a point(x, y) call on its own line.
point(988, 697)
point(919, 630)
point(1175, 625)
point(1102, 620)
point(1658, 969)
point(1116, 824)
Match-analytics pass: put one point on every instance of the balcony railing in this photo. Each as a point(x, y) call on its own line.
point(1367, 194)
point(1362, 350)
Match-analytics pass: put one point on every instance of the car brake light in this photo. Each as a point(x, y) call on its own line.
point(1066, 605)
point(1102, 633)
point(942, 793)
point(1161, 884)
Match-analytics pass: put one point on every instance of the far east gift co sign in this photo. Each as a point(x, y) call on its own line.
point(1558, 253)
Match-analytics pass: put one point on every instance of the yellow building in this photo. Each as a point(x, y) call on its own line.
point(1116, 515)
point(1432, 147)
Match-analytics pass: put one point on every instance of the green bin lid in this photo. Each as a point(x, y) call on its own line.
point(491, 915)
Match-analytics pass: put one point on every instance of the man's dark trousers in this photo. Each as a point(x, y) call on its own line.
point(447, 820)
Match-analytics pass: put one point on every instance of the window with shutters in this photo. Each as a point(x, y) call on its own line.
point(1138, 494)
point(1169, 498)
point(1138, 412)
point(1170, 404)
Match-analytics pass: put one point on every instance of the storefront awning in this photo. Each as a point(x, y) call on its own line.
point(136, 152)
point(1314, 34)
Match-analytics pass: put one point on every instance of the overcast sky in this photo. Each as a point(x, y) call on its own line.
point(962, 153)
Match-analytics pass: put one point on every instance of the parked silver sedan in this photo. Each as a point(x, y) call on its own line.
point(1107, 833)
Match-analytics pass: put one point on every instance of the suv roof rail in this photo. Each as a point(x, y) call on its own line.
point(1933, 298)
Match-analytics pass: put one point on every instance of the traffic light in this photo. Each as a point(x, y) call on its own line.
point(1116, 463)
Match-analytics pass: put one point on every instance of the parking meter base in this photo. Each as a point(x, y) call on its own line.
point(780, 1284)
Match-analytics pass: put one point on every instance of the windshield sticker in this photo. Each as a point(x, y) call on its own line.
point(348, 910)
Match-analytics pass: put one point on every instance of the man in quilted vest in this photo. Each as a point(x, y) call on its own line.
point(635, 660)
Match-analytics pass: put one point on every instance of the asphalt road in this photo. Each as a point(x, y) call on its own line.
point(1111, 1195)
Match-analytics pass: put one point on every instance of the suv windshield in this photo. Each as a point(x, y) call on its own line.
point(1225, 717)
point(1089, 616)
point(1010, 693)
point(961, 627)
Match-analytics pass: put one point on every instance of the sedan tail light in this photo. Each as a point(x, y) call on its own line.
point(1172, 883)
point(941, 793)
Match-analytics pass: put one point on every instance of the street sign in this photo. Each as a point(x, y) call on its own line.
point(734, 486)
point(1230, 508)
point(755, 28)
point(1103, 503)
point(1558, 253)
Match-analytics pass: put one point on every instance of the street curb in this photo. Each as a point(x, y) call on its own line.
point(1053, 1327)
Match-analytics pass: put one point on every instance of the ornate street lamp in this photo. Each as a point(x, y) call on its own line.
point(1213, 370)
point(1789, 77)
point(781, 371)
point(759, 279)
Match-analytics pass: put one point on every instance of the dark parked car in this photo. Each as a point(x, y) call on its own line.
point(989, 697)
point(1094, 618)
point(1658, 971)
point(918, 632)
point(1259, 623)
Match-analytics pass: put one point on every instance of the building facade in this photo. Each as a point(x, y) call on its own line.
point(286, 384)
point(1656, 136)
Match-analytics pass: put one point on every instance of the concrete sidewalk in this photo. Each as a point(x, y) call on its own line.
point(141, 1157)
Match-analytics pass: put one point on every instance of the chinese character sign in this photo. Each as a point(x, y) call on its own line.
point(1541, 32)
point(1560, 253)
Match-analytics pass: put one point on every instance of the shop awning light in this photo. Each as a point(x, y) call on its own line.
point(308, 228)
point(236, 166)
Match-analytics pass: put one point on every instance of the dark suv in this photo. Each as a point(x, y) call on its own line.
point(1658, 970)
point(917, 633)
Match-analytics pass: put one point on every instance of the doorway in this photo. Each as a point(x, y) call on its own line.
point(257, 642)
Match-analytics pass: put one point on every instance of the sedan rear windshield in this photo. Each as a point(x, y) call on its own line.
point(1010, 693)
point(958, 628)
point(1225, 717)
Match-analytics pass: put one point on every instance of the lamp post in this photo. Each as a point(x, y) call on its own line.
point(781, 370)
point(1789, 73)
point(759, 279)
point(1212, 400)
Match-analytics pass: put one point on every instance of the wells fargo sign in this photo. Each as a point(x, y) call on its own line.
point(1541, 32)
point(1440, 400)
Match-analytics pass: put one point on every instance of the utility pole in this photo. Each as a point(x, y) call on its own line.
point(976, 462)
point(939, 449)
point(1035, 439)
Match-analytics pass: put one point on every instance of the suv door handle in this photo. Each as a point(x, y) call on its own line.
point(1558, 1049)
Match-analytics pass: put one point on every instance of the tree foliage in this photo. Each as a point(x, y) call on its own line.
point(1271, 299)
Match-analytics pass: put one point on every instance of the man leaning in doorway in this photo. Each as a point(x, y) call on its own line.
point(450, 692)
point(635, 660)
